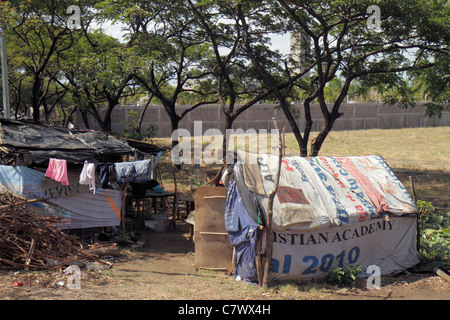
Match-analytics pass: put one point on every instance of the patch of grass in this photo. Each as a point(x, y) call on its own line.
point(410, 148)
point(423, 153)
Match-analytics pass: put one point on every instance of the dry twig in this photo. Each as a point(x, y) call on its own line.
point(30, 240)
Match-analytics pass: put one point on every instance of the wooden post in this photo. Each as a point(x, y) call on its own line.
point(413, 189)
point(259, 270)
point(441, 274)
point(269, 235)
point(123, 208)
point(418, 215)
point(175, 204)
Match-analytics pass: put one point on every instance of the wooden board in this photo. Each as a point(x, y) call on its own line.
point(212, 246)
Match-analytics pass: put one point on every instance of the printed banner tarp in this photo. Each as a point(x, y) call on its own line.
point(78, 206)
point(332, 191)
point(330, 212)
point(305, 255)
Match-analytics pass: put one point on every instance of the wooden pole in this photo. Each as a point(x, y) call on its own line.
point(22, 203)
point(176, 203)
point(259, 269)
point(413, 189)
point(418, 215)
point(269, 235)
point(123, 209)
point(441, 274)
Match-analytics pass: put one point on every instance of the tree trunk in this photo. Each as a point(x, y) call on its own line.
point(138, 126)
point(226, 138)
point(35, 97)
point(107, 117)
point(47, 111)
point(302, 142)
point(174, 121)
point(308, 127)
point(84, 117)
point(96, 115)
point(112, 103)
point(317, 142)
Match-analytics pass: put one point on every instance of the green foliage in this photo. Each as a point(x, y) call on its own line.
point(129, 129)
point(125, 237)
point(434, 233)
point(343, 277)
point(195, 182)
point(189, 52)
point(424, 207)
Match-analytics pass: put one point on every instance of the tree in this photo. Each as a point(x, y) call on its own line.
point(234, 77)
point(98, 70)
point(40, 31)
point(169, 52)
point(19, 80)
point(435, 83)
point(344, 45)
point(260, 18)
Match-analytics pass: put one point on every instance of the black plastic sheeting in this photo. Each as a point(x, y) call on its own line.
point(144, 146)
point(45, 142)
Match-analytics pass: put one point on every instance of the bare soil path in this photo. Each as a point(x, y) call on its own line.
point(163, 269)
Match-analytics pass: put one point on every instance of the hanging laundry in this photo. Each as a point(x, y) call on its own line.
point(57, 170)
point(134, 171)
point(87, 175)
point(124, 171)
point(104, 170)
point(143, 170)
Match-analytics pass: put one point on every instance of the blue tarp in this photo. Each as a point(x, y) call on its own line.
point(242, 232)
point(79, 207)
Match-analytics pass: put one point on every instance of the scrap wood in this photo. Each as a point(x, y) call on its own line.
point(5, 206)
point(441, 274)
point(31, 240)
point(103, 250)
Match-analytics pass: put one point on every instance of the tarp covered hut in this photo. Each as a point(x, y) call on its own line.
point(23, 143)
point(328, 212)
point(25, 151)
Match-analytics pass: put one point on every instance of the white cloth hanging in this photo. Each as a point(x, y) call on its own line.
point(87, 175)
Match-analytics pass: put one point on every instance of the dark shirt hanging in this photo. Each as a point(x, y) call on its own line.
point(104, 170)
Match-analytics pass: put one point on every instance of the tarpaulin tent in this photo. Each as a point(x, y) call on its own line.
point(328, 212)
point(25, 150)
point(75, 203)
point(38, 143)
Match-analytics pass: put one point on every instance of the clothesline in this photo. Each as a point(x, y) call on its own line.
point(130, 171)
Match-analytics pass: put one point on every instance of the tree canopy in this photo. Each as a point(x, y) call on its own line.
point(209, 51)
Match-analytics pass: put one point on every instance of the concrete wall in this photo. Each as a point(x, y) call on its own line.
point(357, 116)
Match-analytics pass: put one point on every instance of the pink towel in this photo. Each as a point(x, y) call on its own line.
point(57, 170)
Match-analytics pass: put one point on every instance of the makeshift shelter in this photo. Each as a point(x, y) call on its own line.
point(23, 143)
point(328, 212)
point(25, 153)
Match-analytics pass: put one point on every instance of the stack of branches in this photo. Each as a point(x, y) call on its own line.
point(32, 240)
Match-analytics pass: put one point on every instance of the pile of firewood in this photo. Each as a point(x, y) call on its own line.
point(32, 240)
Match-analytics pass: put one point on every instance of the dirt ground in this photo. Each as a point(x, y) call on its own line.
point(163, 269)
